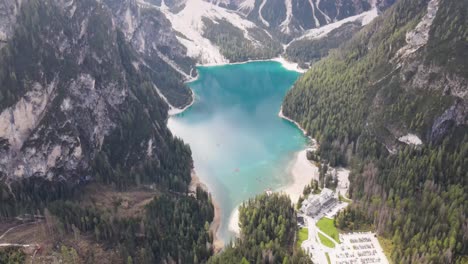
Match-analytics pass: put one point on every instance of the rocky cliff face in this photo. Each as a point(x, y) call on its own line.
point(75, 73)
point(255, 29)
point(293, 17)
point(8, 11)
point(419, 71)
point(151, 35)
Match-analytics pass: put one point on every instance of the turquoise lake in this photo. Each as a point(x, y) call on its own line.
point(240, 146)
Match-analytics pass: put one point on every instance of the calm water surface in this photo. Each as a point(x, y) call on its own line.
point(240, 146)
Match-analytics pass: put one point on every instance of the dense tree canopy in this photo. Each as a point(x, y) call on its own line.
point(356, 100)
point(268, 233)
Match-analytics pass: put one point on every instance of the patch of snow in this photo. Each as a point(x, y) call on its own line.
point(131, 27)
point(172, 64)
point(327, 18)
point(369, 16)
point(149, 151)
point(136, 65)
point(72, 10)
point(189, 22)
point(260, 13)
point(315, 33)
point(163, 5)
point(317, 22)
point(142, 43)
point(417, 38)
point(172, 109)
point(284, 26)
point(83, 27)
point(246, 7)
point(66, 104)
point(411, 139)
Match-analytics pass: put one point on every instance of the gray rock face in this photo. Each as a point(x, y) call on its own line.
point(293, 17)
point(454, 116)
point(57, 126)
point(148, 30)
point(8, 11)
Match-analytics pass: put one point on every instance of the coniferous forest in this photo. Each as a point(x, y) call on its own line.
point(268, 233)
point(357, 100)
point(77, 81)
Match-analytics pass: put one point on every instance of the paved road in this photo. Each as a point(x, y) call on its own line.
point(313, 245)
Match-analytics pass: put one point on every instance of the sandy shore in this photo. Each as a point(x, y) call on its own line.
point(286, 64)
point(218, 243)
point(302, 171)
point(234, 221)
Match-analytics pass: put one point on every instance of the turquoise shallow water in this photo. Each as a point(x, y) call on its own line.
point(240, 146)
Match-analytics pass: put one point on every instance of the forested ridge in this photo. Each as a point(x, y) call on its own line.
point(358, 101)
point(308, 51)
point(268, 233)
point(235, 47)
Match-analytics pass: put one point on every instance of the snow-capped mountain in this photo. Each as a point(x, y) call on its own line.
point(292, 17)
point(220, 31)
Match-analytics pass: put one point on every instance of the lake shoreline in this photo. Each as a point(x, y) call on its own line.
point(303, 170)
point(300, 168)
point(292, 66)
point(218, 243)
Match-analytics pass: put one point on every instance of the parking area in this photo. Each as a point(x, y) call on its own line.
point(359, 248)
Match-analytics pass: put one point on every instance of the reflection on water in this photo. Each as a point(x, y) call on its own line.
point(240, 146)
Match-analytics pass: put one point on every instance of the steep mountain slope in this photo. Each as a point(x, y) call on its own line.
point(316, 43)
point(239, 30)
point(199, 23)
point(84, 87)
point(63, 98)
point(8, 11)
point(293, 17)
point(392, 103)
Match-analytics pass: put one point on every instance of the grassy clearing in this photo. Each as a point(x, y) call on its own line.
point(387, 246)
point(325, 241)
point(327, 226)
point(302, 236)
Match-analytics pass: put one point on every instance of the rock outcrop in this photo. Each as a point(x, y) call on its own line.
point(94, 65)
